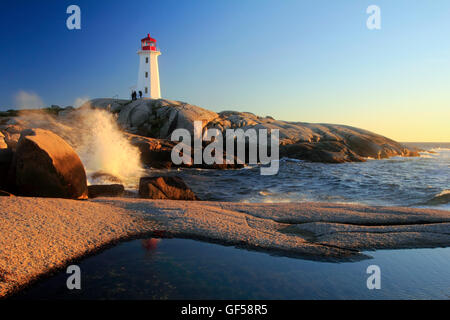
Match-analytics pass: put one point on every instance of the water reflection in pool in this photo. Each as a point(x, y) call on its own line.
point(188, 269)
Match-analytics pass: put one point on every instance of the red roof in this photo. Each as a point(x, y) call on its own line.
point(148, 38)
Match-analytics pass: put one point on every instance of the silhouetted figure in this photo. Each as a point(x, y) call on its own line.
point(140, 94)
point(133, 95)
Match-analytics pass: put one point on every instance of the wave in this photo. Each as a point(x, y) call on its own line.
point(286, 159)
point(441, 152)
point(427, 155)
point(440, 199)
point(440, 149)
point(434, 207)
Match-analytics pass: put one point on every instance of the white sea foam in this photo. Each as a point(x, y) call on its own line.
point(291, 159)
point(106, 149)
point(97, 139)
point(426, 155)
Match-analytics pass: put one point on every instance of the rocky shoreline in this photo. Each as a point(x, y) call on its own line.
point(46, 161)
point(148, 124)
point(330, 143)
point(41, 235)
point(39, 149)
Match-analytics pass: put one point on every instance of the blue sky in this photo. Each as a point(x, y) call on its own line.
point(312, 61)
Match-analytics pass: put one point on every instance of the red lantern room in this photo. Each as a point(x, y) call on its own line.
point(148, 43)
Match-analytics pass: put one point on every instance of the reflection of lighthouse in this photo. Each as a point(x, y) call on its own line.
point(148, 75)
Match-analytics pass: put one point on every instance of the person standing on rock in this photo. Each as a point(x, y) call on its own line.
point(140, 94)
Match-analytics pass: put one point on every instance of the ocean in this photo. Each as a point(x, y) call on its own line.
point(398, 181)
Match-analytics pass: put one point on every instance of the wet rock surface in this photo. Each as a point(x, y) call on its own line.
point(105, 190)
point(172, 188)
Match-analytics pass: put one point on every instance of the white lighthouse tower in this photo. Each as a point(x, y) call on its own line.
point(148, 75)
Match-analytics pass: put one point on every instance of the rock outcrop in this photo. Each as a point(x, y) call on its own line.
point(3, 144)
point(158, 118)
point(324, 151)
point(149, 124)
point(101, 177)
point(5, 194)
point(172, 188)
point(11, 134)
point(44, 165)
point(105, 190)
point(6, 157)
point(317, 142)
point(157, 153)
point(155, 118)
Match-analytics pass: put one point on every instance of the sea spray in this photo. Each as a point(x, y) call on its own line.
point(97, 139)
point(105, 149)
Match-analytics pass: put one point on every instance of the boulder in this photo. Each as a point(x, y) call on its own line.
point(45, 165)
point(155, 153)
point(6, 157)
point(3, 144)
point(104, 177)
point(5, 194)
point(172, 188)
point(106, 190)
point(11, 134)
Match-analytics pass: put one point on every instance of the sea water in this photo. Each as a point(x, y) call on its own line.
point(397, 181)
point(188, 269)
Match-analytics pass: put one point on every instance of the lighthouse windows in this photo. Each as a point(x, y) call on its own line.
point(146, 90)
point(146, 74)
point(146, 59)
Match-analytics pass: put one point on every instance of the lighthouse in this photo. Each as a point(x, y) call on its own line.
point(148, 75)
